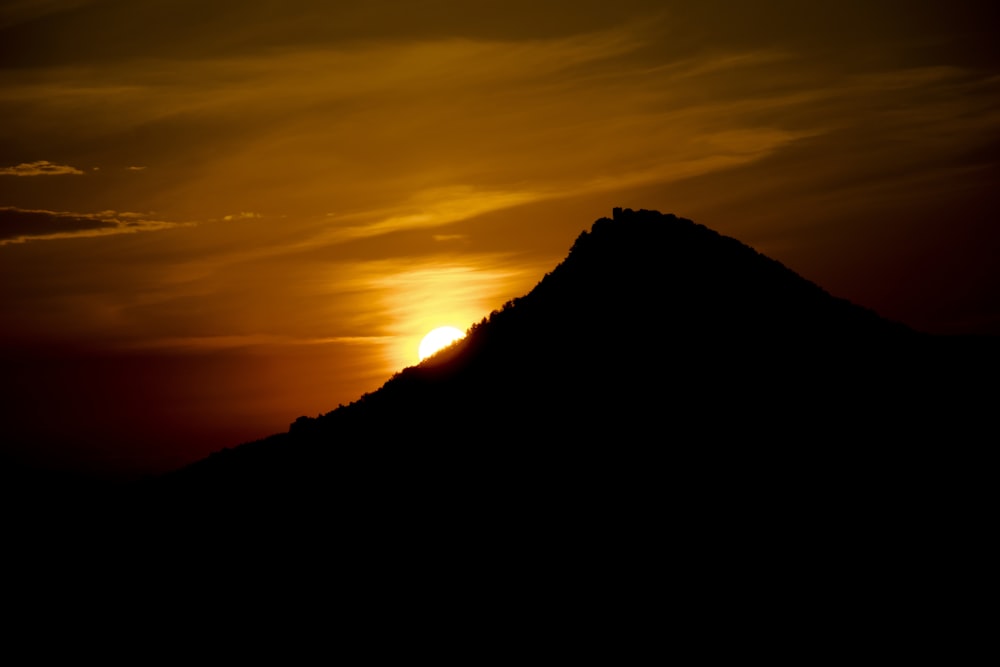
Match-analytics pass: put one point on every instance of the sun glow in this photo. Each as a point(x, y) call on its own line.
point(437, 339)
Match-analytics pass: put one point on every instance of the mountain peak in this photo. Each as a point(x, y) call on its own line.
point(651, 324)
point(644, 266)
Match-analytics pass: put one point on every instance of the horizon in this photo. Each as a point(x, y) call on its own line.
point(215, 220)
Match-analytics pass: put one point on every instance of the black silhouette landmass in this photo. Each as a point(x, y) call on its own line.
point(667, 418)
point(658, 354)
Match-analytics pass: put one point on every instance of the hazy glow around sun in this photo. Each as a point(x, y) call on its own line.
point(437, 339)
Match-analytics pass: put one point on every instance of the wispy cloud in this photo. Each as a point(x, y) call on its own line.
point(435, 207)
point(242, 215)
point(221, 342)
point(20, 225)
point(39, 168)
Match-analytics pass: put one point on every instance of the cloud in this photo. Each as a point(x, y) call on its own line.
point(40, 168)
point(242, 215)
point(19, 225)
point(424, 132)
point(430, 208)
point(134, 168)
point(221, 342)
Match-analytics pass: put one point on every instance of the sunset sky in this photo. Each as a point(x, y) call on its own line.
point(218, 216)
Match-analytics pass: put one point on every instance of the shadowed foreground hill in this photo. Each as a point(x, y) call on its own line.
point(658, 355)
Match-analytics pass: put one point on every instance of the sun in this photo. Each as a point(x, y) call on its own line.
point(438, 338)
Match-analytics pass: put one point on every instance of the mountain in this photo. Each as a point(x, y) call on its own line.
point(669, 421)
point(667, 410)
point(657, 349)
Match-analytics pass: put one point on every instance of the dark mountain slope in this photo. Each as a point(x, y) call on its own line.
point(667, 418)
point(657, 350)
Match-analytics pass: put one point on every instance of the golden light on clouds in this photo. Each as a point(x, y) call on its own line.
point(435, 207)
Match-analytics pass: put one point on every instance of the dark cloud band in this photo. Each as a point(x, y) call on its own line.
point(20, 225)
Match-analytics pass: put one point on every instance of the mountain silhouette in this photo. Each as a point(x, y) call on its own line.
point(667, 415)
point(657, 350)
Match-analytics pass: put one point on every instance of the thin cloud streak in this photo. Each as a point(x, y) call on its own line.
point(227, 342)
point(39, 168)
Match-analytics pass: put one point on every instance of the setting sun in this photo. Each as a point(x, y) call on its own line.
point(437, 339)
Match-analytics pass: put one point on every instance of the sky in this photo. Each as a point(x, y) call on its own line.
point(216, 217)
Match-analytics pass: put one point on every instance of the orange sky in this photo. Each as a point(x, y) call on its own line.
point(215, 217)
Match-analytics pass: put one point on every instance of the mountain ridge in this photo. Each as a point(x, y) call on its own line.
point(732, 345)
point(631, 400)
